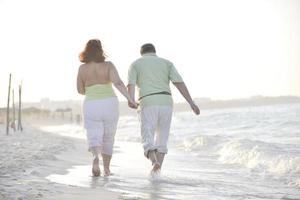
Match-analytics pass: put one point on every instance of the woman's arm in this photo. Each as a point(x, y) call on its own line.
point(80, 82)
point(118, 83)
point(185, 93)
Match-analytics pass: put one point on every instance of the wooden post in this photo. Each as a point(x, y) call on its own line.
point(71, 116)
point(13, 125)
point(7, 108)
point(20, 109)
point(78, 119)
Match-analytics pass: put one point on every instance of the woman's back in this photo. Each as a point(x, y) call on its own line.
point(95, 73)
point(96, 80)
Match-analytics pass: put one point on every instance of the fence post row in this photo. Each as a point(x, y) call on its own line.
point(13, 121)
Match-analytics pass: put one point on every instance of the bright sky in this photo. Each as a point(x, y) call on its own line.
point(223, 49)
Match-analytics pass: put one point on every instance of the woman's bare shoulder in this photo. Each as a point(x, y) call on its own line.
point(82, 66)
point(110, 65)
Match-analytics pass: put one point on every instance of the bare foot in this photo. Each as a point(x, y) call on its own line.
point(156, 167)
point(96, 170)
point(107, 172)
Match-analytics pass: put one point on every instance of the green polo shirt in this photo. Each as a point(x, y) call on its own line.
point(153, 74)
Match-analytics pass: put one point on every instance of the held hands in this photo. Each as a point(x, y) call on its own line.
point(195, 108)
point(132, 104)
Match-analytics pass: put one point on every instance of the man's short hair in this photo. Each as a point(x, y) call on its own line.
point(147, 48)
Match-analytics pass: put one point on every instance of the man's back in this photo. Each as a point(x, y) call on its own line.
point(152, 74)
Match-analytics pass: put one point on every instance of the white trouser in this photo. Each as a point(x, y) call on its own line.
point(100, 121)
point(155, 128)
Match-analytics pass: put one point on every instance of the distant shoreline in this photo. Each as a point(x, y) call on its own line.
point(204, 103)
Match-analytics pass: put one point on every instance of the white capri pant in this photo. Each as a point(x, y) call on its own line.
point(100, 121)
point(155, 128)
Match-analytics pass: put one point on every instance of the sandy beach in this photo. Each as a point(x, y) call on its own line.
point(29, 157)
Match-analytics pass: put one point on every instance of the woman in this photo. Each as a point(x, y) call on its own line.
point(101, 106)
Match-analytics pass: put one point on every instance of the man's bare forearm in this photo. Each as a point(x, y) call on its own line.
point(184, 91)
point(131, 91)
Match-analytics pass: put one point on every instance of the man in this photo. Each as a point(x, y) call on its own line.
point(152, 74)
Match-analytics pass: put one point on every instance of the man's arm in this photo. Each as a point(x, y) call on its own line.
point(131, 91)
point(132, 79)
point(185, 93)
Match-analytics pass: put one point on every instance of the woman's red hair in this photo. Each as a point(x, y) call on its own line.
point(93, 52)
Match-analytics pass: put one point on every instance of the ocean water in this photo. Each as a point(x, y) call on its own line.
point(223, 154)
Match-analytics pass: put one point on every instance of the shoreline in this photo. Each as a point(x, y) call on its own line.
point(29, 157)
